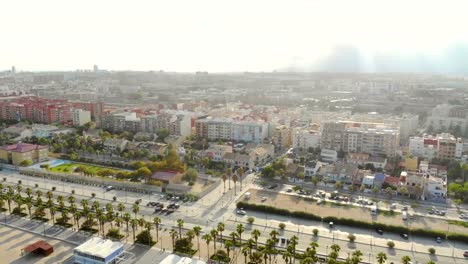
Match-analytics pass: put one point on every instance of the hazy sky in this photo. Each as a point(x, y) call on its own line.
point(220, 35)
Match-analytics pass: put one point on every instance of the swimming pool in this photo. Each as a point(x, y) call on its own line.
point(52, 163)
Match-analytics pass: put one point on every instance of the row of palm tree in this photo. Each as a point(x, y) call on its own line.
point(94, 215)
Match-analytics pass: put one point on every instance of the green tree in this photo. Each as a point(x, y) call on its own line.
point(381, 258)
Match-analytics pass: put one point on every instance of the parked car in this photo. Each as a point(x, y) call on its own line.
point(289, 190)
point(330, 224)
point(264, 198)
point(109, 188)
point(465, 254)
point(272, 186)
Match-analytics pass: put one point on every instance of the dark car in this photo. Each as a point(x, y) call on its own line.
point(272, 186)
point(465, 254)
point(157, 209)
point(379, 231)
point(404, 236)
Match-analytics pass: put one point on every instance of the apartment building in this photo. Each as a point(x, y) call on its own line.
point(219, 129)
point(305, 139)
point(80, 117)
point(376, 139)
point(249, 131)
point(443, 146)
point(43, 110)
point(17, 153)
point(282, 138)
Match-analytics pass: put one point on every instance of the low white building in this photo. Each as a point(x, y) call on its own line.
point(311, 168)
point(435, 187)
point(217, 152)
point(305, 139)
point(329, 155)
point(97, 251)
point(112, 144)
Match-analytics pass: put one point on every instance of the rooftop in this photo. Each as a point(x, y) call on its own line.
point(22, 147)
point(99, 247)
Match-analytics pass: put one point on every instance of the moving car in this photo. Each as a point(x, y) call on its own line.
point(240, 212)
point(272, 186)
point(264, 198)
point(465, 254)
point(330, 224)
point(438, 240)
point(404, 236)
point(379, 231)
point(109, 188)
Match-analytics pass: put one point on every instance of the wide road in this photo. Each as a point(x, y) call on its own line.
point(218, 207)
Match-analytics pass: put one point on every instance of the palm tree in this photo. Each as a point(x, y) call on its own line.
point(228, 245)
point(180, 224)
point(207, 238)
point(336, 248)
point(245, 252)
point(38, 193)
point(240, 229)
point(381, 257)
point(220, 229)
point(294, 243)
point(356, 259)
point(9, 199)
point(84, 203)
point(190, 234)
point(255, 234)
point(126, 217)
point(96, 205)
point(214, 235)
point(224, 181)
point(229, 174)
point(157, 222)
point(28, 202)
point(240, 172)
point(197, 231)
point(52, 211)
point(405, 260)
point(118, 221)
point(234, 179)
point(173, 235)
point(233, 236)
point(287, 257)
point(77, 216)
point(134, 224)
point(50, 195)
point(135, 209)
point(28, 192)
point(250, 244)
point(121, 208)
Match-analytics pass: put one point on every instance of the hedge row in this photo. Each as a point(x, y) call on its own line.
point(352, 222)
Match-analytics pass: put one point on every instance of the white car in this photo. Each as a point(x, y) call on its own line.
point(264, 198)
point(240, 212)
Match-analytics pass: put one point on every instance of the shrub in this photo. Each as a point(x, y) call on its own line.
point(54, 188)
point(351, 237)
point(282, 226)
point(315, 231)
point(114, 233)
point(391, 244)
point(250, 220)
point(145, 238)
point(220, 256)
point(184, 246)
point(36, 185)
point(432, 251)
point(20, 182)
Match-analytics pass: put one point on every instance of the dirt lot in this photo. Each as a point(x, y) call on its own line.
point(297, 203)
point(13, 240)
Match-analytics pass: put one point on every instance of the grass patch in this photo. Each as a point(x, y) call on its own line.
point(70, 168)
point(458, 223)
point(387, 213)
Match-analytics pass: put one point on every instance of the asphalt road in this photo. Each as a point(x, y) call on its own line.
point(218, 207)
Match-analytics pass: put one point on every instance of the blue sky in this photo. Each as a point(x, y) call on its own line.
point(219, 36)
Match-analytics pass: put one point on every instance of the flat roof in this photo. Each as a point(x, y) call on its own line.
point(174, 259)
point(99, 247)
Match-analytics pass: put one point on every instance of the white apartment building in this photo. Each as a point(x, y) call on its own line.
point(80, 117)
point(435, 187)
point(219, 129)
point(444, 146)
point(329, 155)
point(249, 131)
point(305, 139)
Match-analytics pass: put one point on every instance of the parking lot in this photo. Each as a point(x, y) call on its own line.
point(298, 203)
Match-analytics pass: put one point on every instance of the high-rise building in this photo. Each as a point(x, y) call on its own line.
point(80, 117)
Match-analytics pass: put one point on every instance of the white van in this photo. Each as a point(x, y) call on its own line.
point(373, 210)
point(247, 195)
